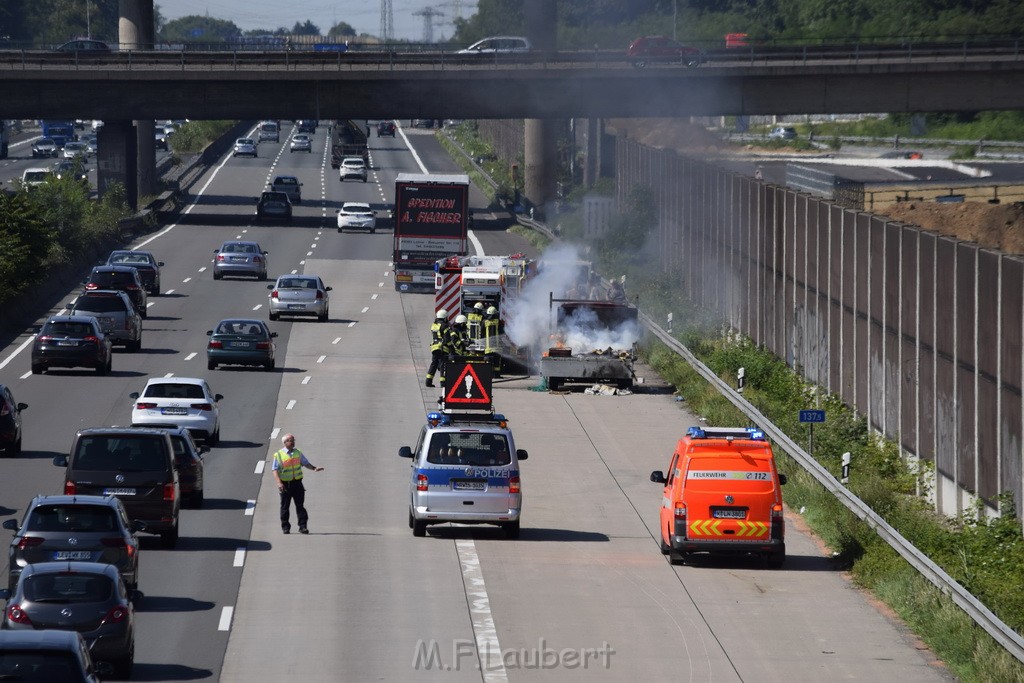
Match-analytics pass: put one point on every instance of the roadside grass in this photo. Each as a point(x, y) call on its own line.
point(194, 136)
point(536, 239)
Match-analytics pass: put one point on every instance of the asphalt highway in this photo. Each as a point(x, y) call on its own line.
point(583, 595)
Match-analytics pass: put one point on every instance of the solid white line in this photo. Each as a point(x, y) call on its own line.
point(26, 375)
point(239, 557)
point(259, 467)
point(225, 619)
point(487, 647)
point(190, 356)
point(274, 433)
point(336, 340)
point(250, 507)
point(291, 404)
point(17, 351)
point(477, 247)
point(352, 324)
point(321, 359)
point(305, 380)
point(365, 309)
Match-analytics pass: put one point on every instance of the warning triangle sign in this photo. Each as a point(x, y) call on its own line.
point(472, 385)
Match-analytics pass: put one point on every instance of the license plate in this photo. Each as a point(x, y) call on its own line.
point(293, 307)
point(468, 485)
point(238, 259)
point(239, 344)
point(60, 555)
point(174, 411)
point(118, 492)
point(729, 514)
point(67, 343)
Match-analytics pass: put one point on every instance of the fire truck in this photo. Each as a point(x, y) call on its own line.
point(460, 282)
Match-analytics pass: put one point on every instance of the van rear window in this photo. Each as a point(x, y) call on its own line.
point(121, 452)
point(472, 449)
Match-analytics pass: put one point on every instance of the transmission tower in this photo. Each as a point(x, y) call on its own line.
point(387, 22)
point(428, 15)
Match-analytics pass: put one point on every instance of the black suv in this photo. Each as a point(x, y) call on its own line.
point(307, 126)
point(386, 128)
point(125, 278)
point(134, 464)
point(10, 422)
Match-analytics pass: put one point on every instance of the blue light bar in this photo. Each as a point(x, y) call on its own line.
point(498, 417)
point(696, 433)
point(439, 418)
point(756, 434)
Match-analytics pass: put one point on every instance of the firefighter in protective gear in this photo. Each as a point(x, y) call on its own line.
point(438, 353)
point(475, 321)
point(491, 329)
point(458, 340)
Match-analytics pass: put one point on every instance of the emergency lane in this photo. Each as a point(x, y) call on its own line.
point(584, 593)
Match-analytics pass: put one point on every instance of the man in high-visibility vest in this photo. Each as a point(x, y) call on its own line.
point(475, 321)
point(491, 329)
point(287, 467)
point(438, 354)
point(458, 341)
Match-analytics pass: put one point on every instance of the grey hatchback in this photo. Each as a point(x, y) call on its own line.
point(75, 528)
point(240, 258)
point(47, 655)
point(115, 313)
point(86, 597)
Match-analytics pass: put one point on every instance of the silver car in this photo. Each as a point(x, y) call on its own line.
point(290, 185)
point(115, 313)
point(353, 168)
point(240, 258)
point(301, 143)
point(357, 215)
point(465, 470)
point(245, 147)
point(299, 295)
point(75, 149)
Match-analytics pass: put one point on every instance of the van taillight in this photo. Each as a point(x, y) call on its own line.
point(69, 488)
point(513, 485)
point(421, 482)
point(776, 511)
point(168, 491)
point(680, 512)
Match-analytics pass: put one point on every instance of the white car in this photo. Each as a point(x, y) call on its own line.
point(352, 167)
point(357, 215)
point(31, 177)
point(170, 402)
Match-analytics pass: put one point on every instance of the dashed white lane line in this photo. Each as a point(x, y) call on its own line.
point(202, 269)
point(336, 340)
point(380, 284)
point(352, 324)
point(309, 253)
point(169, 291)
point(169, 374)
point(291, 404)
point(259, 467)
point(26, 375)
point(274, 433)
point(239, 557)
point(303, 262)
point(365, 309)
point(188, 279)
point(250, 507)
point(149, 303)
point(321, 359)
point(257, 307)
point(294, 271)
point(305, 380)
point(190, 356)
point(491, 660)
point(225, 619)
point(374, 297)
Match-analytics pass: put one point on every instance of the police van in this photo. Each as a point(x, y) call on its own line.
point(465, 469)
point(722, 495)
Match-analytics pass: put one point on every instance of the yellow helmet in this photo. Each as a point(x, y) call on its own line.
point(460, 319)
point(442, 314)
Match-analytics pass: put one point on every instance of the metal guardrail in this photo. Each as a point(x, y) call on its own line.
point(306, 59)
point(1003, 634)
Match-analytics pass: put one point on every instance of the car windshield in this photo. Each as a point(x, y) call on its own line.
point(99, 304)
point(75, 517)
point(469, 448)
point(68, 329)
point(135, 453)
point(68, 588)
point(44, 666)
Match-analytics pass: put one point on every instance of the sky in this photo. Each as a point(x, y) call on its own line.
point(362, 15)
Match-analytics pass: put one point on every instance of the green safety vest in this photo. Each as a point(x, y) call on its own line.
point(490, 334)
point(289, 467)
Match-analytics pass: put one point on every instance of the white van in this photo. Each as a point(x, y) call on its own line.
point(269, 130)
point(498, 44)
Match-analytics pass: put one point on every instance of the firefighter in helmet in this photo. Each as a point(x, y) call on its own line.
point(438, 353)
point(458, 339)
point(475, 321)
point(491, 329)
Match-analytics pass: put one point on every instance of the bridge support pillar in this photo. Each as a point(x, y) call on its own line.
point(541, 139)
point(117, 159)
point(136, 32)
point(592, 156)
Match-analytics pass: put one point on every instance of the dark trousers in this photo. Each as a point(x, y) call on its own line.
point(437, 359)
point(293, 490)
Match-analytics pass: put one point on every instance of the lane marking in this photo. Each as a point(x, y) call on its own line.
point(225, 619)
point(336, 340)
point(186, 280)
point(291, 404)
point(305, 380)
point(259, 467)
point(484, 630)
point(250, 507)
point(294, 271)
point(309, 253)
point(202, 269)
point(380, 284)
point(169, 374)
point(374, 297)
point(365, 309)
point(169, 291)
point(275, 432)
point(239, 557)
point(190, 356)
point(149, 303)
point(352, 324)
point(16, 351)
point(257, 307)
point(26, 375)
point(321, 359)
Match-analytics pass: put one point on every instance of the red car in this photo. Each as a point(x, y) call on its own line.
point(649, 49)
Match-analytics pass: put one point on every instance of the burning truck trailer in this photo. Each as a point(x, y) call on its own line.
point(591, 342)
